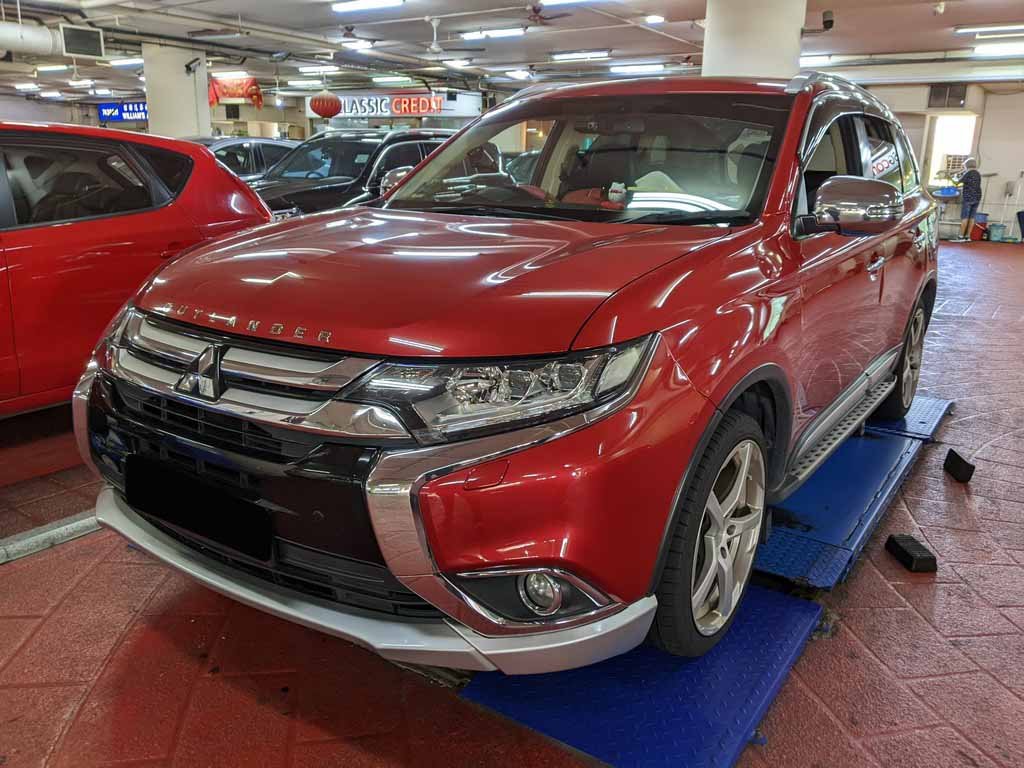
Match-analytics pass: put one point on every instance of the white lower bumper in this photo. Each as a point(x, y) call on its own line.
point(437, 643)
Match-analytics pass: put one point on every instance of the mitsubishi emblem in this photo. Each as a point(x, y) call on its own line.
point(202, 377)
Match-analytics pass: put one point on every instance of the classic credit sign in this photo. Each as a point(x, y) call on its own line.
point(425, 104)
point(123, 111)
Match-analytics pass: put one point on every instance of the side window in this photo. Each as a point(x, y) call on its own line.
point(237, 157)
point(273, 152)
point(884, 163)
point(397, 156)
point(911, 179)
point(172, 168)
point(831, 157)
point(63, 183)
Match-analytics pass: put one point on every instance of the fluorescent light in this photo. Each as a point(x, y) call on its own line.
point(322, 69)
point(580, 55)
point(989, 28)
point(80, 83)
point(999, 49)
point(636, 69)
point(519, 74)
point(26, 86)
point(815, 61)
point(654, 19)
point(142, 78)
point(457, 63)
point(365, 5)
point(52, 68)
point(304, 83)
point(392, 79)
point(50, 94)
point(548, 3)
point(231, 74)
point(480, 34)
point(357, 45)
point(102, 92)
point(126, 62)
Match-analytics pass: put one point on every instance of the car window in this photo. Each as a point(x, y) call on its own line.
point(335, 157)
point(64, 183)
point(272, 153)
point(237, 157)
point(399, 156)
point(884, 161)
point(830, 158)
point(702, 157)
point(908, 165)
point(172, 168)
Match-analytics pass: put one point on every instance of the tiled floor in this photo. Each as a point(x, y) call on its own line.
point(107, 658)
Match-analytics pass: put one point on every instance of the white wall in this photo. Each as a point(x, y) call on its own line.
point(35, 110)
point(1001, 150)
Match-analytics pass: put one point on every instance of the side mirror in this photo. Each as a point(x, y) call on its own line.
point(857, 206)
point(392, 177)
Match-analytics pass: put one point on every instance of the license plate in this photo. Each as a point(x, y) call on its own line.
point(198, 509)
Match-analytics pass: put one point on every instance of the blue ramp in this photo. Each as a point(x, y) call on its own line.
point(921, 421)
point(647, 708)
point(819, 531)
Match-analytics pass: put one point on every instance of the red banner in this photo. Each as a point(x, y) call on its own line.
point(244, 88)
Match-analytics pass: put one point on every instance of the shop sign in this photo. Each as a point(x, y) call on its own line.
point(375, 104)
point(123, 111)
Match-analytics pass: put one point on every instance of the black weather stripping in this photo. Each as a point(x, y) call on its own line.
point(957, 467)
point(912, 554)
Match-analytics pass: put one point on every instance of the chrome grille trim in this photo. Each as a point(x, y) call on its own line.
point(179, 349)
point(293, 392)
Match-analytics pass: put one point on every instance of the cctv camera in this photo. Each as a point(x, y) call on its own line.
point(828, 20)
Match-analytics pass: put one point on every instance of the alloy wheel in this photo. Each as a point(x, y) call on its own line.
point(730, 528)
point(911, 374)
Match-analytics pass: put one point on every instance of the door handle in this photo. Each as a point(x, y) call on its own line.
point(877, 264)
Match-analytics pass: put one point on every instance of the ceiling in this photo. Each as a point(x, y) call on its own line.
point(271, 38)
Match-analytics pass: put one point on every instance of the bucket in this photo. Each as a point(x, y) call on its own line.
point(981, 218)
point(996, 232)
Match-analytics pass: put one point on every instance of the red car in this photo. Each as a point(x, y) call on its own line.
point(509, 424)
point(86, 214)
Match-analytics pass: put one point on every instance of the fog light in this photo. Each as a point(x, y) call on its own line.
point(541, 593)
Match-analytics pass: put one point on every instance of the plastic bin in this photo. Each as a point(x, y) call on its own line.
point(996, 232)
point(981, 218)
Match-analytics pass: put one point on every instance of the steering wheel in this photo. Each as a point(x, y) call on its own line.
point(315, 175)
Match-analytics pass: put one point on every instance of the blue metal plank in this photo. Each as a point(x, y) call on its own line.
point(921, 421)
point(647, 708)
point(818, 532)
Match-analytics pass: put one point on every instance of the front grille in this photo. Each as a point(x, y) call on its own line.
point(212, 428)
point(310, 531)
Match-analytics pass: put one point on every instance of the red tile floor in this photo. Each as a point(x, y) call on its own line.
point(107, 658)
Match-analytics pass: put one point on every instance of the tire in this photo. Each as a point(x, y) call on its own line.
point(908, 369)
point(690, 620)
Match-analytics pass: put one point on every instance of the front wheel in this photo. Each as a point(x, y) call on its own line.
point(908, 370)
point(714, 542)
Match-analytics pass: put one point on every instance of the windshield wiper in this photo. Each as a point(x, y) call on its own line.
point(685, 217)
point(497, 210)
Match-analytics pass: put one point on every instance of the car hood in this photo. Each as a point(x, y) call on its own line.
point(412, 284)
point(289, 193)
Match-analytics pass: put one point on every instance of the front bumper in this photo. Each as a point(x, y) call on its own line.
point(436, 643)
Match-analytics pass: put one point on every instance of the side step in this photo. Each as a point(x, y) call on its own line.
point(817, 454)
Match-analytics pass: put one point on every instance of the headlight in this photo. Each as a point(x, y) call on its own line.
point(441, 402)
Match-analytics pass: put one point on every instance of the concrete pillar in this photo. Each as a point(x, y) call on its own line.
point(178, 102)
point(753, 38)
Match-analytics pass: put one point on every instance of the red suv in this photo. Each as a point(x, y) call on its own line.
point(86, 214)
point(522, 424)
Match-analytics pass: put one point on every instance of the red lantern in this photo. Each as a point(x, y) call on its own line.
point(325, 104)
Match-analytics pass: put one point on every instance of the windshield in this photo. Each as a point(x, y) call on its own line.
point(678, 158)
point(327, 157)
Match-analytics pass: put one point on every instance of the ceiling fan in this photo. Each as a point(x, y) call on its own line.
point(435, 47)
point(536, 15)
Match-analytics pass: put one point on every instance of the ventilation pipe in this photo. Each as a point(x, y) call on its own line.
point(31, 39)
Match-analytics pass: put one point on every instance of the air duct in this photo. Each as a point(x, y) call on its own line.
point(31, 39)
